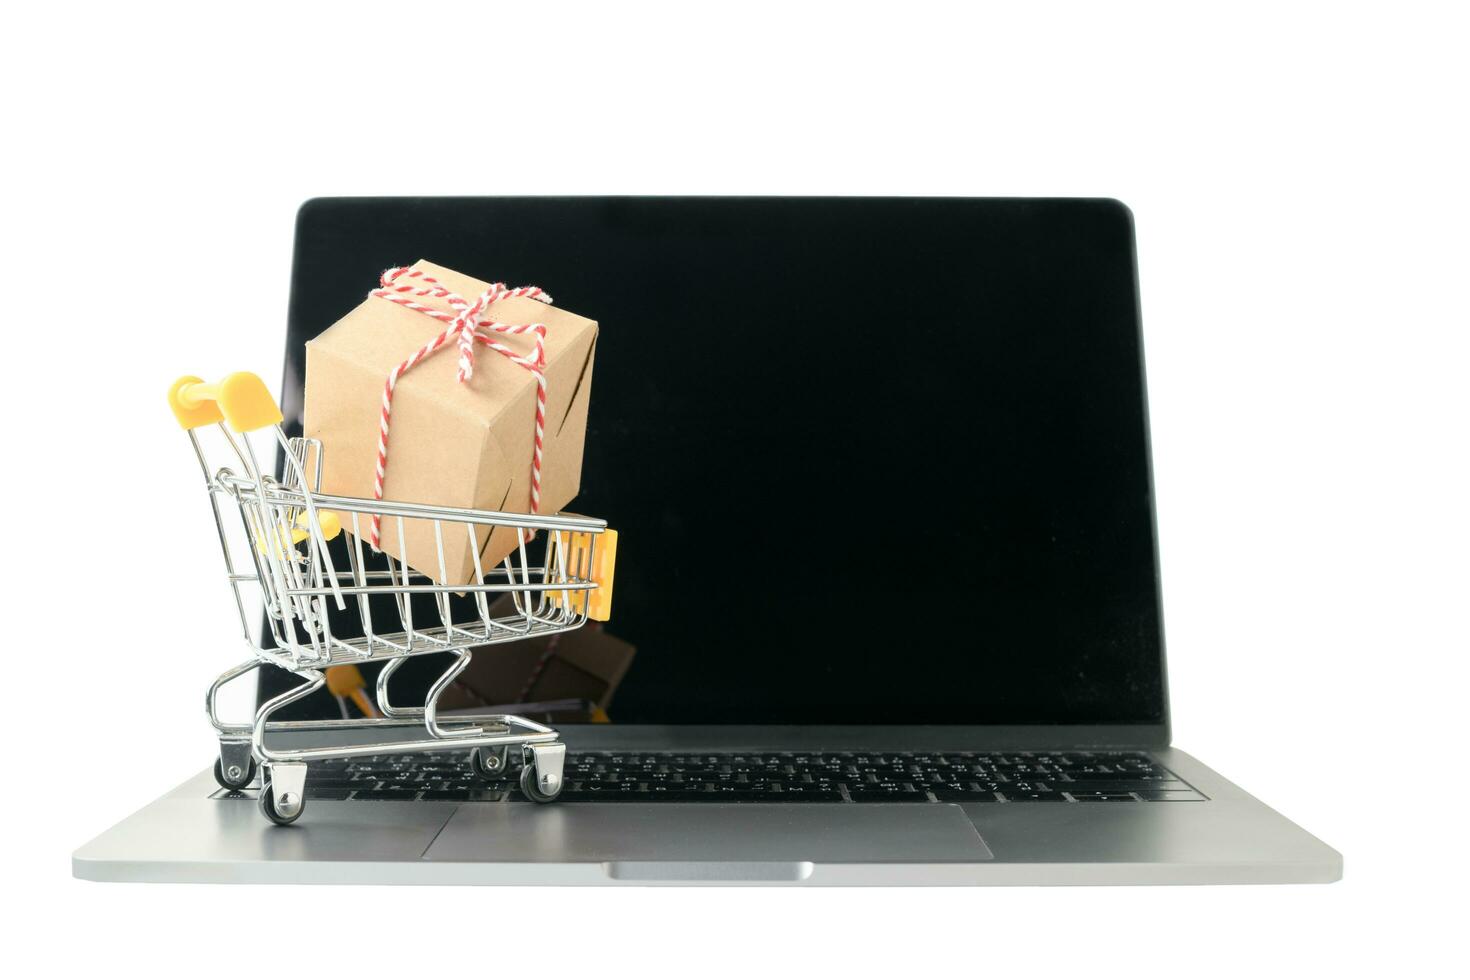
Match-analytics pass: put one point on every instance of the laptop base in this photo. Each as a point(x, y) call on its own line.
point(197, 833)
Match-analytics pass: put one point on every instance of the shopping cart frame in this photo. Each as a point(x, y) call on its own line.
point(289, 522)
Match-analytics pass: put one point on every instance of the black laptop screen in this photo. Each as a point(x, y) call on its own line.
point(871, 460)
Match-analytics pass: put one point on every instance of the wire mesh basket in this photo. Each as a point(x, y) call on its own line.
point(323, 611)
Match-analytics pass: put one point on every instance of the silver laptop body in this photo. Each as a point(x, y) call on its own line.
point(1036, 680)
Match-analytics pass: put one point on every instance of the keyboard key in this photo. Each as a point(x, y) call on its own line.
point(946, 794)
point(385, 794)
point(864, 794)
point(1164, 796)
point(1036, 796)
point(466, 796)
point(1119, 786)
point(809, 794)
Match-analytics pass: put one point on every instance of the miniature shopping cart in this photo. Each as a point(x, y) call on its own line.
point(309, 605)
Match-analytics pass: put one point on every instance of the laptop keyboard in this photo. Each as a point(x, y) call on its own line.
point(828, 777)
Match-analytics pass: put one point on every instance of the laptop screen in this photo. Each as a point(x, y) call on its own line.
point(871, 460)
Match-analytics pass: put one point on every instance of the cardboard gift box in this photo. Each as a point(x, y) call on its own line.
point(566, 676)
point(453, 443)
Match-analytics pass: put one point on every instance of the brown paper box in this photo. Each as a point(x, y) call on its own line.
point(450, 443)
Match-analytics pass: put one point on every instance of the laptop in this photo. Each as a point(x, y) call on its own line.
point(888, 601)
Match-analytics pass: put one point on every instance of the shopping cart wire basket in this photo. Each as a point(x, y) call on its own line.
point(318, 616)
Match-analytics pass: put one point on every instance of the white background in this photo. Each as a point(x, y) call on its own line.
point(1298, 177)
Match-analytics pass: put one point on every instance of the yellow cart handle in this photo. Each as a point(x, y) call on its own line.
point(241, 399)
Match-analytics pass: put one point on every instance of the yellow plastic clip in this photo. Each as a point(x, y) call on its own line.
point(346, 681)
point(301, 530)
point(603, 565)
point(241, 399)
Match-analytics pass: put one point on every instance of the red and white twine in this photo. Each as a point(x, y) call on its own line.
point(407, 287)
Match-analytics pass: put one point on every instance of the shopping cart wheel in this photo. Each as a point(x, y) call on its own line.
point(490, 760)
point(274, 815)
point(287, 810)
point(531, 785)
point(236, 778)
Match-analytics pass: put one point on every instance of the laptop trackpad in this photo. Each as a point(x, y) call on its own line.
point(709, 841)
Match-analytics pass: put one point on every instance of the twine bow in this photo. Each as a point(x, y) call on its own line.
point(465, 328)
